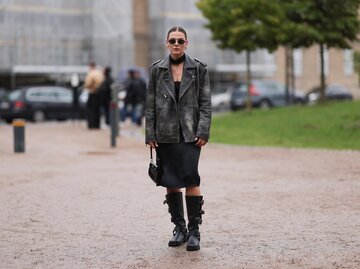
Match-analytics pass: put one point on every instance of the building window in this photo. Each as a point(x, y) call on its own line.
point(270, 66)
point(298, 62)
point(348, 62)
point(326, 61)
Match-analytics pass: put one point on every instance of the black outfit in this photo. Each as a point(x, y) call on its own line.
point(176, 113)
point(135, 91)
point(134, 100)
point(179, 161)
point(105, 97)
point(93, 111)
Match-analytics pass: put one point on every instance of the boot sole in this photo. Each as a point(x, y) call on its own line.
point(192, 248)
point(175, 244)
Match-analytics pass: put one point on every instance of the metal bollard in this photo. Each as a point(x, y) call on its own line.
point(114, 112)
point(19, 135)
point(113, 123)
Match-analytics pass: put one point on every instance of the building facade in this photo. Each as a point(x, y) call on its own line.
point(41, 37)
point(339, 68)
point(127, 33)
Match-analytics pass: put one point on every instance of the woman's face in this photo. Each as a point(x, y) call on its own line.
point(176, 44)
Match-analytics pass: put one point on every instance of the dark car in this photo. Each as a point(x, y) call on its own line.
point(37, 103)
point(2, 93)
point(332, 92)
point(263, 94)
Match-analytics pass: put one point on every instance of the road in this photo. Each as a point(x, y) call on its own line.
point(71, 201)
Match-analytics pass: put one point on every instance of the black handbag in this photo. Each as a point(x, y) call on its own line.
point(155, 171)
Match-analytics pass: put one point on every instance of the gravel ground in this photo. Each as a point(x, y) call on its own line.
point(71, 201)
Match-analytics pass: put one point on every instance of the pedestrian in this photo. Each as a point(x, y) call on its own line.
point(135, 97)
point(105, 94)
point(178, 118)
point(92, 82)
point(140, 89)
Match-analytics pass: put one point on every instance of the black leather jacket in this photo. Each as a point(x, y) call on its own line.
point(193, 111)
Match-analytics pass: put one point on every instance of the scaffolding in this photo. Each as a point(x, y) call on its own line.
point(65, 33)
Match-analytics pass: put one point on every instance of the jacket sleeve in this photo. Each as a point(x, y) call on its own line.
point(150, 109)
point(203, 129)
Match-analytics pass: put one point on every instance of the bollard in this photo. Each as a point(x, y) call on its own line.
point(19, 135)
point(114, 112)
point(113, 123)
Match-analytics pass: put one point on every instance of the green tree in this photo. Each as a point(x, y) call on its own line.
point(243, 25)
point(328, 23)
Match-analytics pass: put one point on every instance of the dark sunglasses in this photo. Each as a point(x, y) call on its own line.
point(180, 41)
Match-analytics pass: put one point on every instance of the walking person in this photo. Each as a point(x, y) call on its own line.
point(105, 94)
point(178, 118)
point(128, 109)
point(92, 82)
point(140, 92)
point(135, 97)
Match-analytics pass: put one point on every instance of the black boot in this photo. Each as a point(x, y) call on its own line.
point(176, 209)
point(194, 211)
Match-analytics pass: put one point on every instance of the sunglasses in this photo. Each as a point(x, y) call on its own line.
point(180, 41)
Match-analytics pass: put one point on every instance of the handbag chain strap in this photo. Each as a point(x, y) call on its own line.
point(151, 155)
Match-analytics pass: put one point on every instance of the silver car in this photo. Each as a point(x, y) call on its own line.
point(264, 94)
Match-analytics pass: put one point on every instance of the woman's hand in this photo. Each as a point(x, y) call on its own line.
point(200, 142)
point(153, 144)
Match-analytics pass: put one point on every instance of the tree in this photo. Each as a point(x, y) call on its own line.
point(243, 25)
point(328, 23)
point(356, 59)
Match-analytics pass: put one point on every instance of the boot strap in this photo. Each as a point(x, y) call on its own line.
point(179, 229)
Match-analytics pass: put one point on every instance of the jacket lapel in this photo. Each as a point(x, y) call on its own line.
point(188, 76)
point(167, 79)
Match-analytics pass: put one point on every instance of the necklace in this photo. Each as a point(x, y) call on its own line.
point(177, 61)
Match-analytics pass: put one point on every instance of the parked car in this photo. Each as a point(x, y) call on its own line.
point(264, 94)
point(332, 92)
point(38, 103)
point(220, 97)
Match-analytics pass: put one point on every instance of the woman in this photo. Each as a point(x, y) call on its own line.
point(178, 117)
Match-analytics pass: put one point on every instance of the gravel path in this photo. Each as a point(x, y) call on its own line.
point(73, 202)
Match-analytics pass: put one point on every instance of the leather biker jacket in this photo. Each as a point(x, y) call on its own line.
point(193, 110)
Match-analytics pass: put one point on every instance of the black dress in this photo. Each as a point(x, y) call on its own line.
point(179, 161)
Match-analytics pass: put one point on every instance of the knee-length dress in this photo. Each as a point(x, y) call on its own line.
point(179, 161)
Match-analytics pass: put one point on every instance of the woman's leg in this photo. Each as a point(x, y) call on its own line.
point(194, 202)
point(170, 190)
point(193, 191)
point(174, 199)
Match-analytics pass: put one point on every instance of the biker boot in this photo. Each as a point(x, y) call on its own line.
point(194, 211)
point(176, 210)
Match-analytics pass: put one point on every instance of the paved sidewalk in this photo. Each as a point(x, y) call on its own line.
point(71, 201)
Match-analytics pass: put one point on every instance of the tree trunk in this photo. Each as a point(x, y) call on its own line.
point(292, 75)
point(248, 80)
point(287, 74)
point(322, 74)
